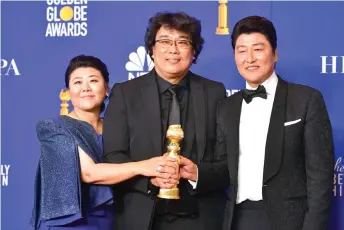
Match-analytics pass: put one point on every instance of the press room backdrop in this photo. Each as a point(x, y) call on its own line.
point(39, 39)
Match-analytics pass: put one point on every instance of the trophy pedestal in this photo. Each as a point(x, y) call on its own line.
point(172, 193)
point(222, 30)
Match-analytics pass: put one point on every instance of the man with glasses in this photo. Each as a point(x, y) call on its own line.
point(137, 118)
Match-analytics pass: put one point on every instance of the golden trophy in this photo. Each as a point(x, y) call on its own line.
point(222, 27)
point(64, 97)
point(174, 134)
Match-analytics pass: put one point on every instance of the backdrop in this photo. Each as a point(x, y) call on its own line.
point(39, 39)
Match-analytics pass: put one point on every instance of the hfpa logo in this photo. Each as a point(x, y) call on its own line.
point(9, 67)
point(332, 64)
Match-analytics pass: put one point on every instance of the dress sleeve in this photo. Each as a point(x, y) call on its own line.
point(57, 182)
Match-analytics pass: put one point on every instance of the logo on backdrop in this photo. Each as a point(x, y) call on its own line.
point(9, 67)
point(332, 64)
point(139, 63)
point(66, 18)
point(338, 177)
point(5, 169)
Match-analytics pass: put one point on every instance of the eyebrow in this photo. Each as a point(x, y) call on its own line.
point(259, 43)
point(256, 44)
point(92, 75)
point(181, 36)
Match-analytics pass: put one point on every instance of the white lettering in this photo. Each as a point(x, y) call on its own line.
point(332, 63)
point(338, 190)
point(52, 14)
point(66, 29)
point(4, 180)
point(338, 167)
point(231, 92)
point(4, 170)
point(66, 2)
point(11, 67)
point(80, 13)
point(138, 74)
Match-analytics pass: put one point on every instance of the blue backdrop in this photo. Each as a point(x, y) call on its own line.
point(39, 38)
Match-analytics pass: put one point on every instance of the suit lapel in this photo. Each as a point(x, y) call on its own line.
point(232, 135)
point(151, 113)
point(199, 98)
point(274, 142)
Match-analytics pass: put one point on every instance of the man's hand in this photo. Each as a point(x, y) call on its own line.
point(167, 176)
point(188, 169)
point(164, 183)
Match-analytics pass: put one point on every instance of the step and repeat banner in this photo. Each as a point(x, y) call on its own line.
point(39, 38)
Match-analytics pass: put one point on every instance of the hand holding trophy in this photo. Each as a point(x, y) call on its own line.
point(175, 135)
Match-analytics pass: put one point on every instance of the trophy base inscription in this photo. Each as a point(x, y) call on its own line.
point(172, 193)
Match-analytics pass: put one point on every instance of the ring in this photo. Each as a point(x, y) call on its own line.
point(159, 169)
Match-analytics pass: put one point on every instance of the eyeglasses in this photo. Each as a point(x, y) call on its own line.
point(167, 43)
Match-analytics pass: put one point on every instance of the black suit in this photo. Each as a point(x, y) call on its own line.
point(132, 132)
point(299, 159)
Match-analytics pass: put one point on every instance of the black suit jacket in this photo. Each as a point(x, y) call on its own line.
point(132, 132)
point(299, 159)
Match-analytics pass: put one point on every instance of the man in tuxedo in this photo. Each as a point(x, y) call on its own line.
point(135, 124)
point(278, 139)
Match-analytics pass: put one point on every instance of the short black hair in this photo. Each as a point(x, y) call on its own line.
point(83, 61)
point(255, 24)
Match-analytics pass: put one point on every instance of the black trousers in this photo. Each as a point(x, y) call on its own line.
point(250, 215)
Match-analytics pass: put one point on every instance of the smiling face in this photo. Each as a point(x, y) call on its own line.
point(255, 58)
point(173, 53)
point(87, 89)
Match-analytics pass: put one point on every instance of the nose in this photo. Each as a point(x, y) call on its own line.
point(85, 87)
point(250, 57)
point(173, 48)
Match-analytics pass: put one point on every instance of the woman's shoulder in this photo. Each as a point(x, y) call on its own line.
point(48, 127)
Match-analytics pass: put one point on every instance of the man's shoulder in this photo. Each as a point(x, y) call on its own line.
point(208, 83)
point(302, 89)
point(138, 81)
point(301, 94)
point(133, 85)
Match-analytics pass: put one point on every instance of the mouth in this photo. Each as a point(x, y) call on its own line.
point(173, 60)
point(87, 96)
point(252, 68)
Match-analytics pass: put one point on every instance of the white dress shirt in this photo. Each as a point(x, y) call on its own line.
point(253, 130)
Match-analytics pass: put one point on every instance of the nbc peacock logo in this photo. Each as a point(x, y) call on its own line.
point(139, 63)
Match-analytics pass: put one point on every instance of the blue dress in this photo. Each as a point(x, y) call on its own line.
point(62, 201)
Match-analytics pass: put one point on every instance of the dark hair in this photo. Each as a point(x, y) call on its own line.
point(83, 61)
point(179, 21)
point(255, 24)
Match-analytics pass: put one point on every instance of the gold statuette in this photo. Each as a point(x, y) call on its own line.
point(64, 97)
point(222, 27)
point(174, 134)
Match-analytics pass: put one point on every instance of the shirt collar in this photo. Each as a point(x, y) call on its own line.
point(270, 84)
point(164, 85)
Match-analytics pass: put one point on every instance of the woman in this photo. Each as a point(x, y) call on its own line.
point(70, 185)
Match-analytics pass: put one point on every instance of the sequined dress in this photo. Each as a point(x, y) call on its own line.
point(62, 201)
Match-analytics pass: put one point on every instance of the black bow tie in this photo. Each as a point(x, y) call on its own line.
point(248, 95)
